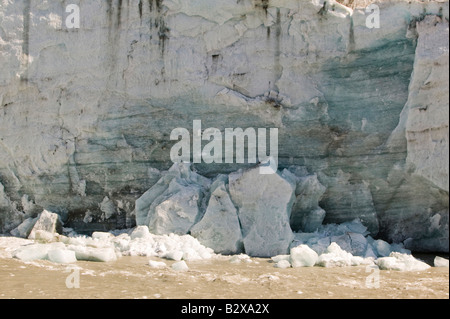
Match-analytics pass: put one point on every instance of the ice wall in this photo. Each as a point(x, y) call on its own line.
point(86, 113)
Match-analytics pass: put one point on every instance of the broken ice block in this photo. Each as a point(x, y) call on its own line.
point(48, 222)
point(303, 256)
point(102, 235)
point(219, 228)
point(140, 232)
point(180, 266)
point(36, 251)
point(62, 256)
point(94, 254)
point(335, 257)
point(278, 258)
point(264, 204)
point(383, 248)
point(24, 229)
point(440, 262)
point(283, 264)
point(157, 264)
point(401, 262)
point(237, 259)
point(176, 255)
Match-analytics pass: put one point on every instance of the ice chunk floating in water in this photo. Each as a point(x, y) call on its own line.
point(401, 262)
point(180, 266)
point(157, 264)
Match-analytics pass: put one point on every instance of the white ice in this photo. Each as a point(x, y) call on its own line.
point(440, 262)
point(94, 254)
point(180, 266)
point(62, 256)
point(237, 259)
point(279, 258)
point(401, 262)
point(341, 245)
point(157, 264)
point(36, 251)
point(303, 256)
point(337, 257)
point(283, 264)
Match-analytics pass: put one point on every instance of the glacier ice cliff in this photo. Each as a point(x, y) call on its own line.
point(86, 114)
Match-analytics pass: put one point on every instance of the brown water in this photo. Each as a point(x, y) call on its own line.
point(131, 277)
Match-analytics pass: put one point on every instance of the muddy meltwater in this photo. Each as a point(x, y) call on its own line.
point(132, 277)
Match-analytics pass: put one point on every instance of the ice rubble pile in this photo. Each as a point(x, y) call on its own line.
point(255, 213)
point(105, 247)
point(346, 244)
point(186, 216)
point(335, 256)
point(330, 246)
point(243, 211)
